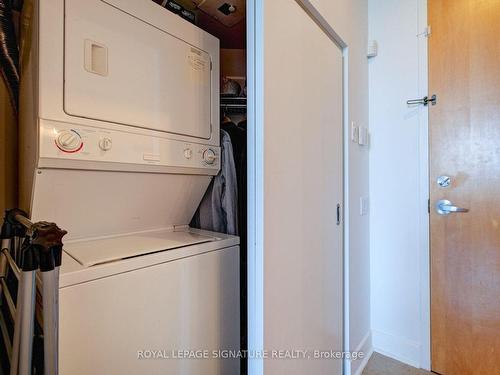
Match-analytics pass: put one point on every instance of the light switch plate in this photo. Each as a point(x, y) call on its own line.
point(363, 136)
point(354, 132)
point(372, 49)
point(364, 206)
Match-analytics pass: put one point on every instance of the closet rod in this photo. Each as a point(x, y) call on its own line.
point(233, 105)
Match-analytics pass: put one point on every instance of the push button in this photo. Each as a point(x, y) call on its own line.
point(188, 153)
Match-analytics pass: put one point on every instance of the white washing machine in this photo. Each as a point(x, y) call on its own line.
point(119, 132)
point(169, 312)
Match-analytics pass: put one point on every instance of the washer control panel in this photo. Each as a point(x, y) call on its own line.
point(62, 141)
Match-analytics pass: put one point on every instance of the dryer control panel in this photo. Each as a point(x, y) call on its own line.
point(97, 148)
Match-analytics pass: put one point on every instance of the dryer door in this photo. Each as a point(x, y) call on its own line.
point(124, 69)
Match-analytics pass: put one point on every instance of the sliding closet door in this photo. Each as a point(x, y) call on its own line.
point(302, 182)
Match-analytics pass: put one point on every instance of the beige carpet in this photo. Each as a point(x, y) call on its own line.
point(381, 365)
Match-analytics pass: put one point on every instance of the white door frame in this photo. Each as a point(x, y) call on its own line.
point(423, 198)
point(255, 184)
point(255, 115)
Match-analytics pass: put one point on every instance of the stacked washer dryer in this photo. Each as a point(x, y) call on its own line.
point(119, 141)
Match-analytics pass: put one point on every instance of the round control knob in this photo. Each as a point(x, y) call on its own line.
point(69, 141)
point(209, 156)
point(188, 153)
point(105, 144)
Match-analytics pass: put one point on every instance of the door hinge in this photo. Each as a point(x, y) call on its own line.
point(428, 206)
point(428, 31)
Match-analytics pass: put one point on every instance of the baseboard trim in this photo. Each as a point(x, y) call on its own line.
point(396, 347)
point(366, 347)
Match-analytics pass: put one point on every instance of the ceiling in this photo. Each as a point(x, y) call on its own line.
point(230, 28)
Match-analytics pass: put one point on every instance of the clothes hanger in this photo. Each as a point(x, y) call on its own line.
point(225, 117)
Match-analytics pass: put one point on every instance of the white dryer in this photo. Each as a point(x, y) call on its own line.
point(119, 133)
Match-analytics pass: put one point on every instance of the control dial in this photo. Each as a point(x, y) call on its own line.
point(69, 141)
point(105, 144)
point(209, 156)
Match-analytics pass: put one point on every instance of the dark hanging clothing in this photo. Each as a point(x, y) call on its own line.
point(218, 210)
point(238, 136)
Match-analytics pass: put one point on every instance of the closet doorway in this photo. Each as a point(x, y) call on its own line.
point(227, 21)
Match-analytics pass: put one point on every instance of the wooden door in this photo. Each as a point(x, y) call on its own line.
point(464, 53)
point(303, 184)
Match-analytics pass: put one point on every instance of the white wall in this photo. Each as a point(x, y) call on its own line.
point(398, 182)
point(349, 18)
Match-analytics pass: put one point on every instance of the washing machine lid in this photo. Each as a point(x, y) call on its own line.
point(99, 251)
point(73, 273)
